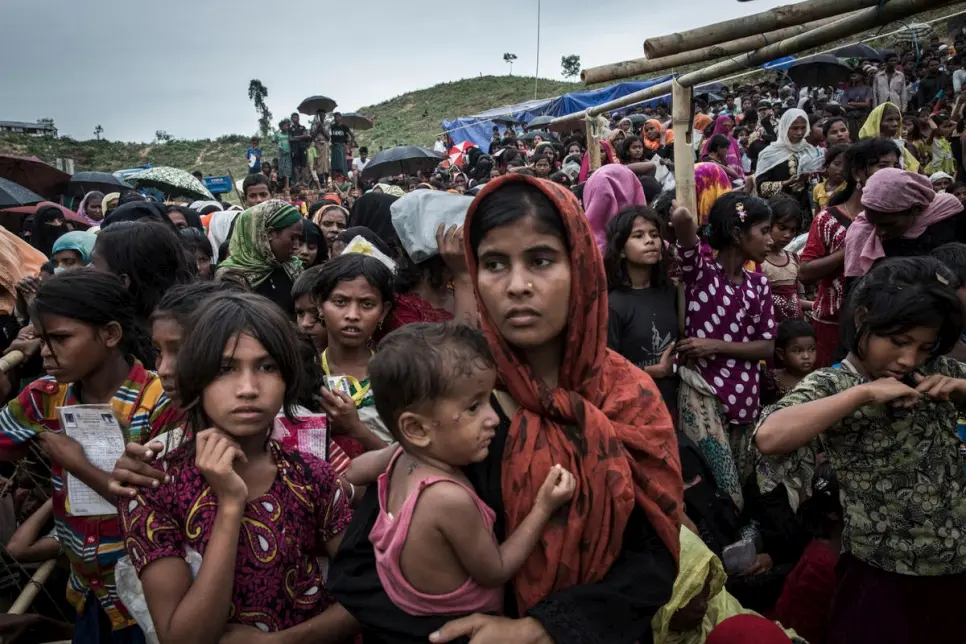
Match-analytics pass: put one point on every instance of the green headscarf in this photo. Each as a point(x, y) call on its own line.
point(250, 252)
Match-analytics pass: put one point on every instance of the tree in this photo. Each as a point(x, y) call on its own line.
point(98, 131)
point(48, 123)
point(162, 137)
point(257, 92)
point(571, 65)
point(509, 58)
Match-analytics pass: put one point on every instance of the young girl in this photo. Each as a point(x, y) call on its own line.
point(730, 325)
point(354, 296)
point(435, 549)
point(795, 352)
point(642, 320)
point(92, 350)
point(258, 514)
point(834, 176)
point(780, 266)
point(887, 417)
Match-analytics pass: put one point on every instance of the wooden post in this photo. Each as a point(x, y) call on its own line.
point(593, 142)
point(758, 23)
point(638, 66)
point(856, 23)
point(683, 166)
point(33, 587)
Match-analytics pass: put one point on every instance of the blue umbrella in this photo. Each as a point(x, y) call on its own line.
point(13, 194)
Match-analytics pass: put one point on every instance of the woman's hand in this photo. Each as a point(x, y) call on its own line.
point(941, 387)
point(762, 564)
point(890, 390)
point(694, 348)
point(451, 249)
point(28, 286)
point(487, 629)
point(26, 342)
point(664, 368)
point(134, 469)
point(61, 448)
point(341, 412)
point(215, 459)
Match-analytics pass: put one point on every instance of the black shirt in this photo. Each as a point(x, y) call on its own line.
point(298, 147)
point(339, 134)
point(278, 288)
point(641, 324)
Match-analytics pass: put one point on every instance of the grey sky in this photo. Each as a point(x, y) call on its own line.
point(184, 65)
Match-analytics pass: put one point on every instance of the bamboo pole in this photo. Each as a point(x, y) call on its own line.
point(683, 166)
point(788, 15)
point(593, 143)
point(637, 66)
point(856, 23)
point(33, 587)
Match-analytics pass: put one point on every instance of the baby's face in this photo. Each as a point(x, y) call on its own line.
point(465, 421)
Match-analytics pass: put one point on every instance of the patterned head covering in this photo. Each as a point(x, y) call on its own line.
point(602, 402)
point(250, 252)
point(91, 197)
point(710, 182)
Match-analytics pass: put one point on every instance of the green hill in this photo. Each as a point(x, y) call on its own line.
point(413, 118)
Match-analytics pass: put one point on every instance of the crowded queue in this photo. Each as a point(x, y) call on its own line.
point(509, 426)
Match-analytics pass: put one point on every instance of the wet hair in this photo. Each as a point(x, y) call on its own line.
point(901, 294)
point(618, 232)
point(724, 217)
point(862, 156)
point(510, 204)
point(149, 254)
point(210, 330)
point(624, 149)
point(834, 153)
point(194, 240)
point(255, 180)
point(306, 282)
point(825, 500)
point(717, 142)
point(95, 299)
point(792, 330)
point(312, 234)
point(786, 210)
point(184, 300)
point(953, 257)
point(420, 363)
point(348, 267)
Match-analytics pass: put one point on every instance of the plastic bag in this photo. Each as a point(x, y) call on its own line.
point(131, 592)
point(417, 216)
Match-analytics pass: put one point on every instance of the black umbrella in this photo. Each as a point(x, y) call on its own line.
point(860, 50)
point(403, 159)
point(14, 194)
point(546, 136)
point(506, 119)
point(540, 121)
point(83, 182)
point(314, 104)
point(819, 71)
point(639, 119)
point(356, 121)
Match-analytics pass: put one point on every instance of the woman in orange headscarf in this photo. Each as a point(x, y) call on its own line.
point(656, 136)
point(602, 570)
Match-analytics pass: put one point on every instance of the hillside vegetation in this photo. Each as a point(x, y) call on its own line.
point(413, 118)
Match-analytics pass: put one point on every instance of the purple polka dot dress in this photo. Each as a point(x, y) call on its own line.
point(719, 309)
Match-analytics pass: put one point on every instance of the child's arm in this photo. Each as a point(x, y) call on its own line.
point(461, 523)
point(26, 545)
point(797, 422)
point(70, 455)
point(342, 413)
point(187, 612)
point(366, 468)
point(334, 625)
point(693, 348)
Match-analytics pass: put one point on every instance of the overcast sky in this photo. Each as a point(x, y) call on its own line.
point(184, 65)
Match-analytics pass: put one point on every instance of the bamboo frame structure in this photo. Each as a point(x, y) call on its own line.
point(778, 18)
point(33, 587)
point(856, 23)
point(637, 66)
point(681, 100)
point(593, 143)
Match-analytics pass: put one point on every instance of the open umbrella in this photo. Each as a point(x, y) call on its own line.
point(506, 119)
point(819, 71)
point(860, 50)
point(356, 121)
point(14, 194)
point(540, 122)
point(172, 181)
point(403, 159)
point(543, 134)
point(457, 153)
point(32, 173)
point(639, 119)
point(314, 104)
point(916, 32)
point(83, 182)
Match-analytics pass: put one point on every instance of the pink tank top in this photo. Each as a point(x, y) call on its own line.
point(388, 536)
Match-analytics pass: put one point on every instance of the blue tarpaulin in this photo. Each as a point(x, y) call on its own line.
point(478, 129)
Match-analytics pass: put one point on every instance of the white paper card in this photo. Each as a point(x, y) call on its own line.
point(98, 432)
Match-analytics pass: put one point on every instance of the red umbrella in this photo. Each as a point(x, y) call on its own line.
point(32, 173)
point(12, 218)
point(457, 153)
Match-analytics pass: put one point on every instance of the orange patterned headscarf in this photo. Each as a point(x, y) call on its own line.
point(605, 422)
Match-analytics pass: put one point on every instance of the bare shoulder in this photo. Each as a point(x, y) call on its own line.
point(448, 495)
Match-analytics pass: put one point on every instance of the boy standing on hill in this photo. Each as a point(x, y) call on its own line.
point(255, 156)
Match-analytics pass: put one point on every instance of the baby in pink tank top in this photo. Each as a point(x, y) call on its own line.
point(436, 553)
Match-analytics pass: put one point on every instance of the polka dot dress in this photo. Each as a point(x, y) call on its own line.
point(719, 309)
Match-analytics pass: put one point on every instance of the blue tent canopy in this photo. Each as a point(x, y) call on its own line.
point(478, 129)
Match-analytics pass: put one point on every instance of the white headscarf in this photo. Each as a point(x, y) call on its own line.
point(810, 158)
point(218, 228)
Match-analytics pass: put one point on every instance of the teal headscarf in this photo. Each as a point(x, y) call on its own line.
point(78, 240)
point(249, 250)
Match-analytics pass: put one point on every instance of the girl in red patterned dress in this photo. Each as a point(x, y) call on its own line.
point(781, 266)
point(260, 515)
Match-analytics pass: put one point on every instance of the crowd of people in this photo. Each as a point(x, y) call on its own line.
point(577, 412)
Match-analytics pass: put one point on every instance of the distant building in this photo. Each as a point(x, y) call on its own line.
point(35, 129)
